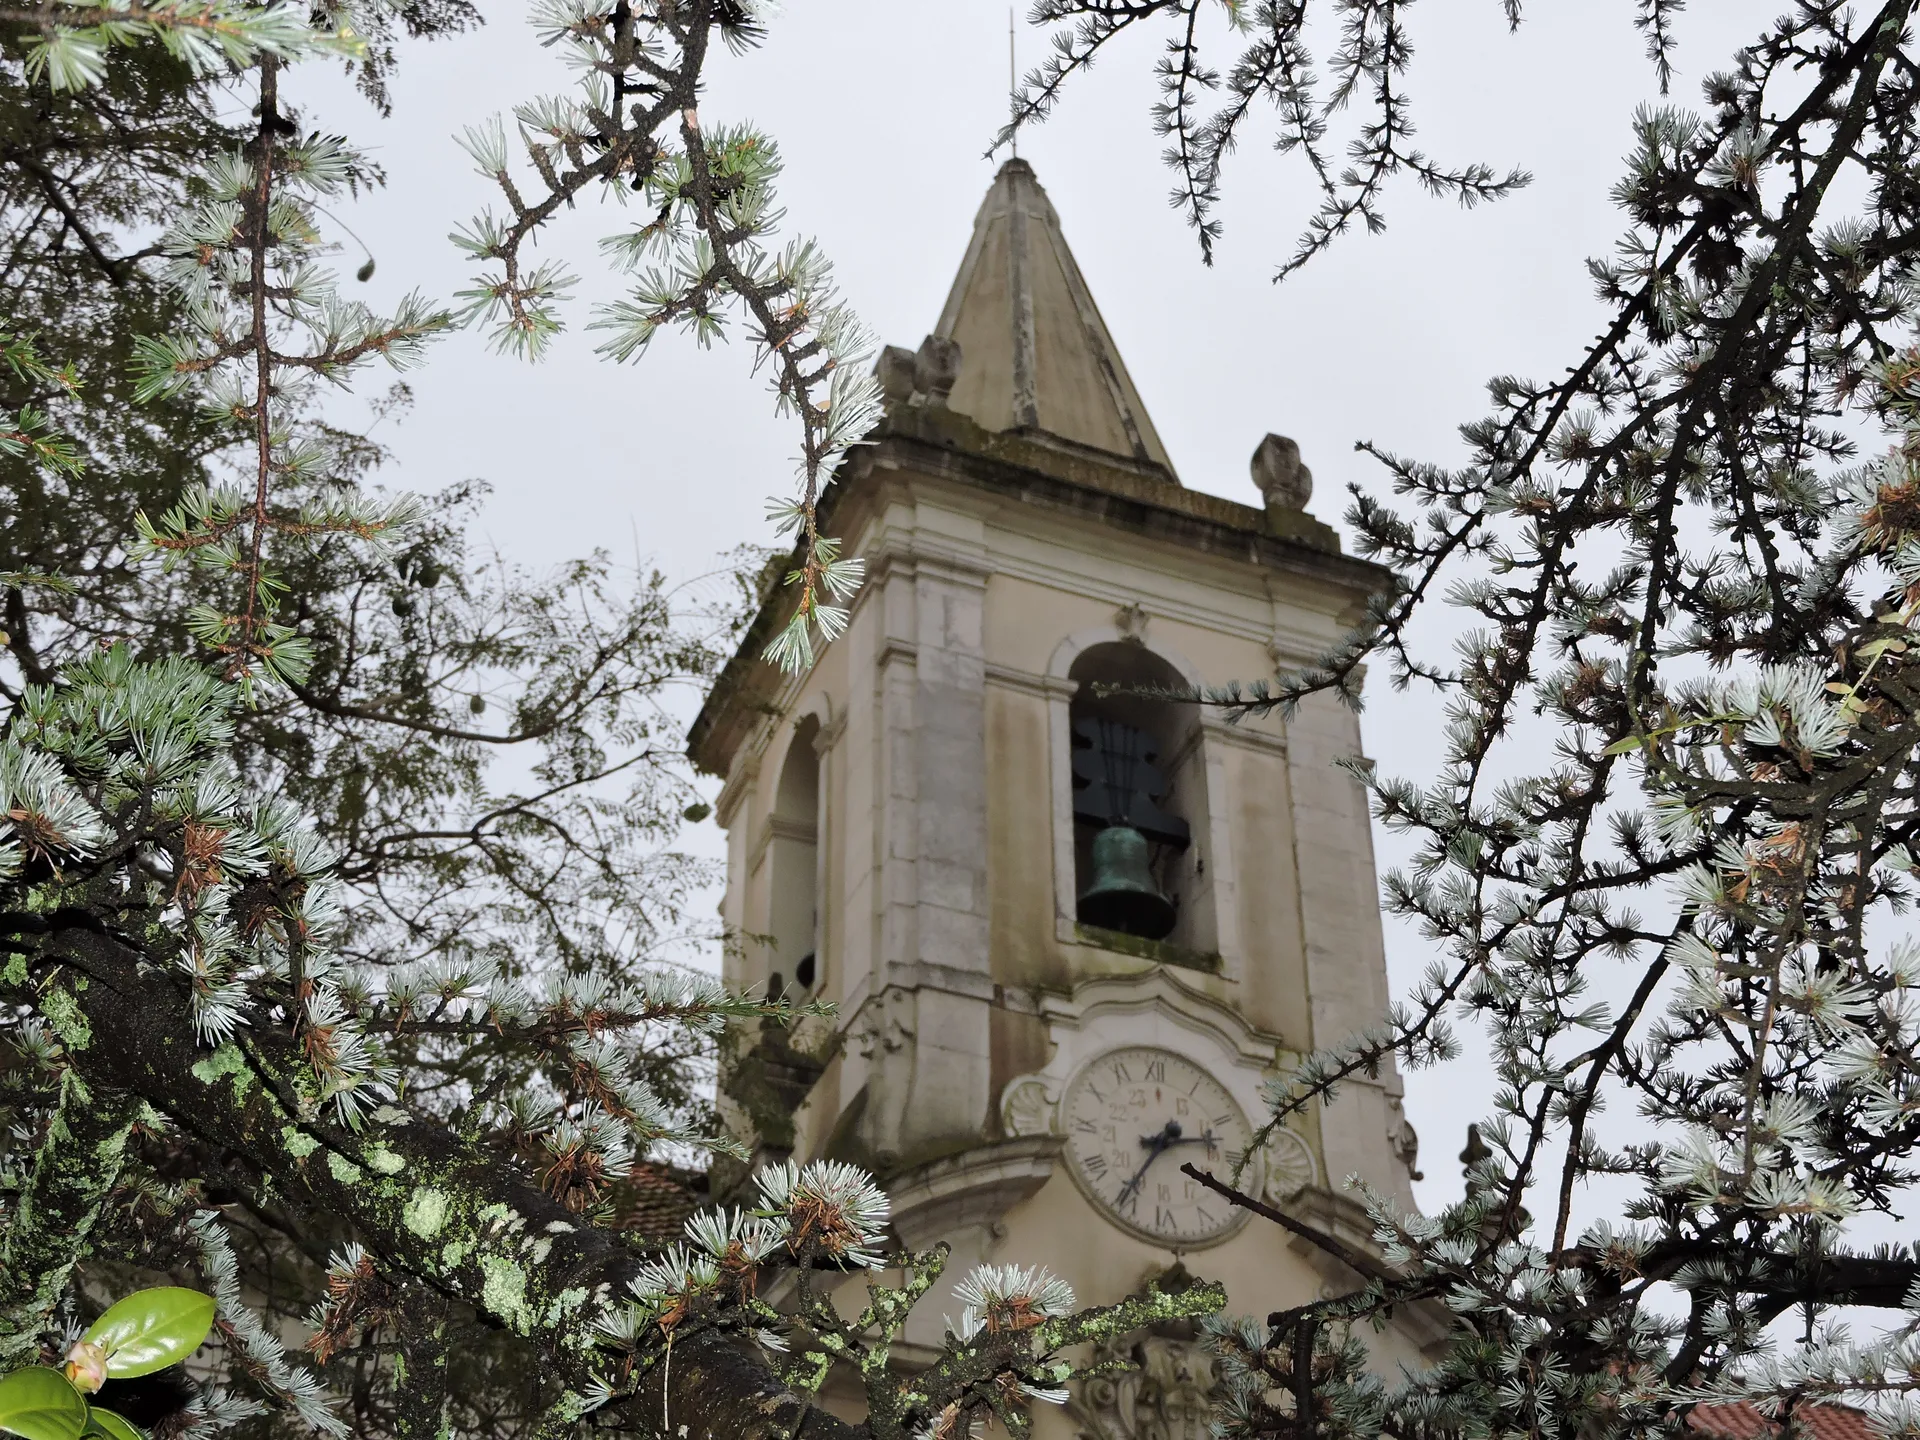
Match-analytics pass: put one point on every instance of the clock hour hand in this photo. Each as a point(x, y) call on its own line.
point(1169, 1135)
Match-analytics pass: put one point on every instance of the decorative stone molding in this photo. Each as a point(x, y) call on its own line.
point(970, 1190)
point(1290, 1167)
point(782, 827)
point(1030, 682)
point(1026, 1107)
point(1110, 1010)
point(882, 1035)
point(1164, 1009)
point(1166, 1392)
point(739, 783)
point(1072, 646)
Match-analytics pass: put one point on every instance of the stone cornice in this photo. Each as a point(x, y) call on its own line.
point(1031, 468)
point(1030, 682)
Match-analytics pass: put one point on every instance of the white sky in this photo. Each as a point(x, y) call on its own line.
point(883, 109)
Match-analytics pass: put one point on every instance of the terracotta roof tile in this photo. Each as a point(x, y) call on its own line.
point(1742, 1420)
point(654, 1201)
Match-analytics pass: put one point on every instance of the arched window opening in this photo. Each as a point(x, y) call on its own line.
point(1138, 798)
point(794, 913)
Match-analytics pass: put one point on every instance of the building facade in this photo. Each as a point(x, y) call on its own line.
point(1035, 1025)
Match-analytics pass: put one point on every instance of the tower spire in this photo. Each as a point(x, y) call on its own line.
point(1034, 352)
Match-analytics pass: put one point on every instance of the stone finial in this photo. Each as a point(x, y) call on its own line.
point(936, 367)
point(895, 373)
point(1286, 483)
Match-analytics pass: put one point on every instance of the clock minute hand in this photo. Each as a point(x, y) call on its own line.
point(1206, 1138)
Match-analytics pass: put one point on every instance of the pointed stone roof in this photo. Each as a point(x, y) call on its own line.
point(1034, 352)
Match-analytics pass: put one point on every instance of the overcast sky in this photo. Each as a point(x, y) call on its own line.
point(883, 109)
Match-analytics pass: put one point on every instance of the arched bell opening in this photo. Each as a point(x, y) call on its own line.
point(793, 919)
point(1138, 797)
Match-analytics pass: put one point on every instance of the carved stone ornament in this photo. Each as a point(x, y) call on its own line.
point(1025, 1107)
point(1290, 1167)
point(1284, 481)
point(895, 371)
point(935, 367)
point(1166, 1392)
point(882, 1035)
point(884, 1024)
point(1406, 1145)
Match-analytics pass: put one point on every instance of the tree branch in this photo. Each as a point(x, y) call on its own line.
point(432, 1206)
point(74, 1171)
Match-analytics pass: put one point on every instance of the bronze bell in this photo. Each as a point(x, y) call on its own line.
point(1123, 896)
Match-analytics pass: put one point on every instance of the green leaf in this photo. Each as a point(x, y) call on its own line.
point(41, 1404)
point(114, 1427)
point(152, 1329)
point(1622, 747)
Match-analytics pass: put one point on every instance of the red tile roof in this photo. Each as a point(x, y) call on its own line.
point(654, 1200)
point(1743, 1420)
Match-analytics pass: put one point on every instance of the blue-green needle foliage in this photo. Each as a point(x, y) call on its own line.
point(263, 324)
point(704, 246)
point(244, 1031)
point(1666, 868)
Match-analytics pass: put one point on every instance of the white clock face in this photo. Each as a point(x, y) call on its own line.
point(1133, 1117)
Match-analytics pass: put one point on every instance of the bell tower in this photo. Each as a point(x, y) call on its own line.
point(1069, 928)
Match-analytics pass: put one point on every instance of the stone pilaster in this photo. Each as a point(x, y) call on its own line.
point(924, 1028)
point(1340, 925)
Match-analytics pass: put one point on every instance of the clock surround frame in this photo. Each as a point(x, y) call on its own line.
point(1252, 1180)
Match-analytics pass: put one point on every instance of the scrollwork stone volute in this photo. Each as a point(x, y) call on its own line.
point(1290, 1167)
point(883, 1036)
point(1026, 1107)
point(885, 1024)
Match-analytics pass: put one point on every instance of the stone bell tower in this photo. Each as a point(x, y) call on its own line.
point(1069, 928)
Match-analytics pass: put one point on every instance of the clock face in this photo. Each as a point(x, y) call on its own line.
point(1133, 1117)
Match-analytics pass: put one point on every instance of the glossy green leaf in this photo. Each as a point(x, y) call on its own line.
point(114, 1427)
point(41, 1404)
point(152, 1329)
point(1621, 747)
